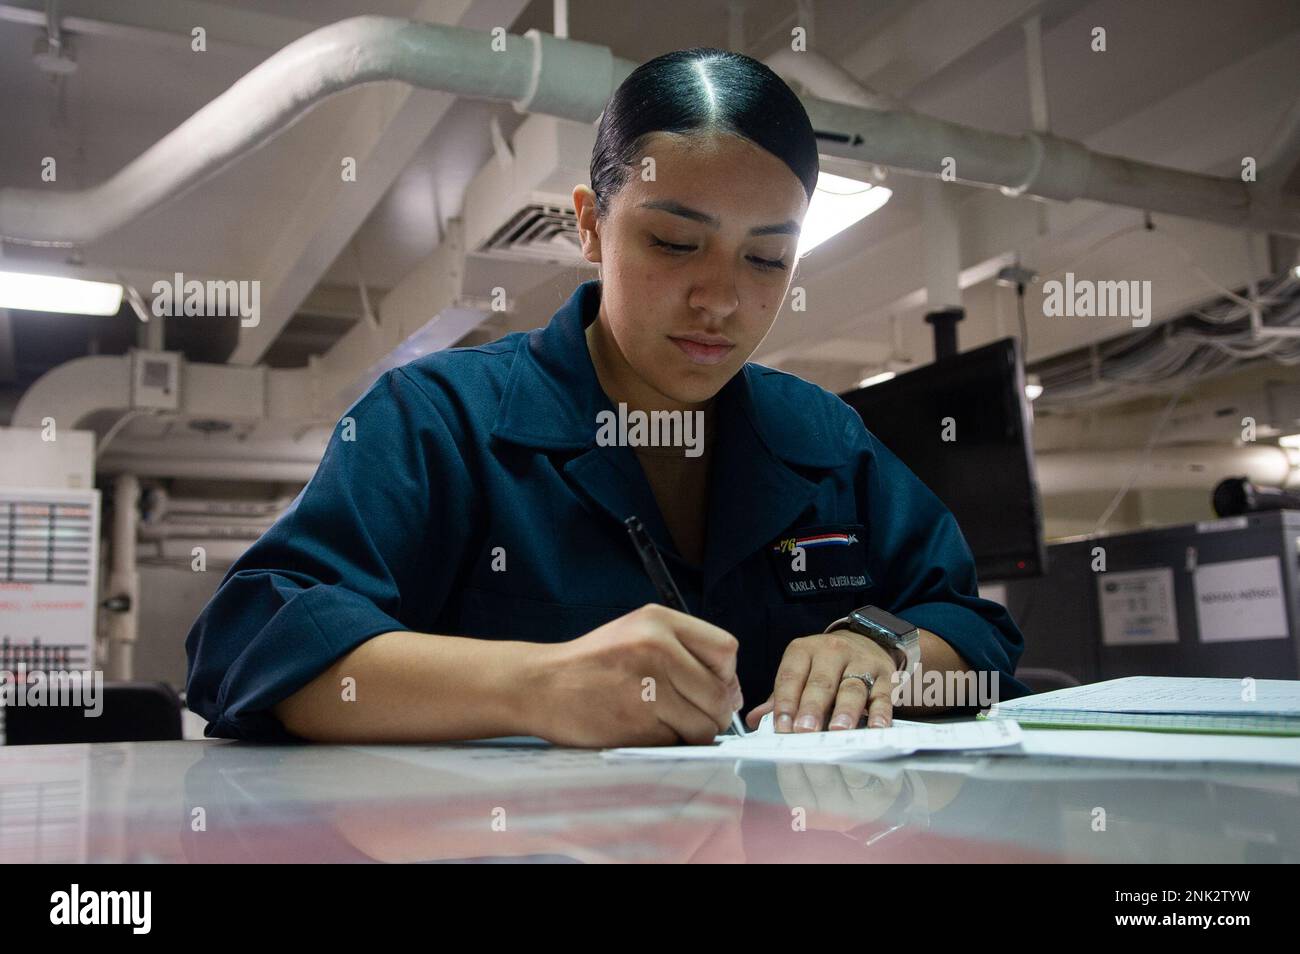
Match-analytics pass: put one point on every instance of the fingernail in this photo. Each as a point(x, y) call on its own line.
point(878, 722)
point(783, 722)
point(841, 721)
point(806, 721)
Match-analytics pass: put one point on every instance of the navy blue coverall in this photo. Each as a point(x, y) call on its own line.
point(467, 450)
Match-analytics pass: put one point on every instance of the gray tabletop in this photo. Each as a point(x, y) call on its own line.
point(520, 800)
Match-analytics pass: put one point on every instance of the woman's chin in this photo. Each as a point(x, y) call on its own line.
point(697, 397)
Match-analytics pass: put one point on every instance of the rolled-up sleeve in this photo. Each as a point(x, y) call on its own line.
point(926, 569)
point(368, 547)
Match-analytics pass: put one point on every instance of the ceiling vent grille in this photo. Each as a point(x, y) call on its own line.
point(537, 231)
point(520, 204)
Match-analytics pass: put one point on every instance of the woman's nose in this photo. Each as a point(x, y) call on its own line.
point(715, 297)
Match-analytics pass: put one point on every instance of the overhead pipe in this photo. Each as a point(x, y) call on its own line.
point(71, 392)
point(74, 391)
point(162, 505)
point(540, 73)
point(854, 121)
point(1043, 165)
point(1198, 467)
point(124, 580)
point(535, 72)
point(215, 468)
point(217, 531)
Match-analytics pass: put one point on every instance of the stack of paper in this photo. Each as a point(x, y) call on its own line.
point(847, 745)
point(1164, 704)
point(1159, 747)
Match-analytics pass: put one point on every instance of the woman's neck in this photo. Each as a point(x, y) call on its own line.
point(619, 380)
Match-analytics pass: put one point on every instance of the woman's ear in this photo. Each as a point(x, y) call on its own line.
point(584, 204)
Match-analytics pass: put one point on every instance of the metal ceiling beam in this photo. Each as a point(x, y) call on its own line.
point(928, 36)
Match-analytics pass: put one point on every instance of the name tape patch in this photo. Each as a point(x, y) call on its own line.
point(813, 562)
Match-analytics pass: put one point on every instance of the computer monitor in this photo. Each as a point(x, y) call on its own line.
point(985, 474)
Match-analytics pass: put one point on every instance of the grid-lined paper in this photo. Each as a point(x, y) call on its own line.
point(1165, 703)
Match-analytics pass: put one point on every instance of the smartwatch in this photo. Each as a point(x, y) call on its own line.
point(898, 637)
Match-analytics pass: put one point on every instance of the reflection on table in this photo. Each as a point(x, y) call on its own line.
point(519, 800)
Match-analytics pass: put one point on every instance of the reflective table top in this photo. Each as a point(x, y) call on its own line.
point(521, 800)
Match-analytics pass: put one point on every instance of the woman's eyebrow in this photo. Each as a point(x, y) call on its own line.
point(676, 208)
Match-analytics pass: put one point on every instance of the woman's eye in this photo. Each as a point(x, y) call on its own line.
point(675, 249)
point(670, 246)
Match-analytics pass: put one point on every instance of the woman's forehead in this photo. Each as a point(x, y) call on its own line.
point(719, 174)
point(702, 145)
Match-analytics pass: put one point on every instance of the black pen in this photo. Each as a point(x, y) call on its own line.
point(669, 595)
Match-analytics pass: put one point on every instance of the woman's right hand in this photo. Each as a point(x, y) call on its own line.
point(654, 676)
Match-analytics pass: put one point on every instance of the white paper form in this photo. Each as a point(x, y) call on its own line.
point(848, 745)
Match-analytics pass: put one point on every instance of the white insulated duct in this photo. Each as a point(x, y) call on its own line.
point(249, 530)
point(535, 72)
point(76, 389)
point(1168, 468)
point(73, 391)
point(1043, 165)
point(224, 467)
point(572, 80)
point(163, 505)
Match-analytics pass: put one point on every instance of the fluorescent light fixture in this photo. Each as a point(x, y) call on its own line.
point(880, 378)
point(837, 203)
point(1290, 440)
point(72, 296)
point(1033, 387)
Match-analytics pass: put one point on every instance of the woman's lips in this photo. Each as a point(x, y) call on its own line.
point(702, 353)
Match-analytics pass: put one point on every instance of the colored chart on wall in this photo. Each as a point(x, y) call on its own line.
point(49, 563)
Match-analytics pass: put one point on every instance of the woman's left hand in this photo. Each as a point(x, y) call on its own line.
point(812, 692)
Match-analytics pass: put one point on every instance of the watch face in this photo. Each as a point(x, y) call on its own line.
point(877, 618)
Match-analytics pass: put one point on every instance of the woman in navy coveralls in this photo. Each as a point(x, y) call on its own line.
point(458, 566)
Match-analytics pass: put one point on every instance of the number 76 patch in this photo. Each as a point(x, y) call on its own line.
point(813, 562)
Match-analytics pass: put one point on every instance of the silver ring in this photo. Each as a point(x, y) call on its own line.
point(867, 678)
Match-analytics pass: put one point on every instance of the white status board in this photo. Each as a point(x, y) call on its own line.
point(49, 566)
point(1137, 607)
point(1241, 599)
